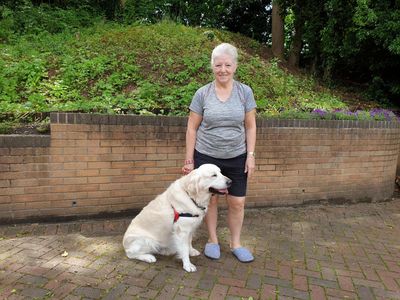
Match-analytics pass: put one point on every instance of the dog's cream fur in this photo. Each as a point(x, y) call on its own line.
point(153, 230)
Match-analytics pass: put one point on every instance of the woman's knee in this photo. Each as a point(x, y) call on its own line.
point(236, 203)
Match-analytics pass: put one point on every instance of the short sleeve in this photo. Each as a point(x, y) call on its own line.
point(250, 102)
point(197, 104)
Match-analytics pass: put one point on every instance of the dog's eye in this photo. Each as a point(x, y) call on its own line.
point(214, 175)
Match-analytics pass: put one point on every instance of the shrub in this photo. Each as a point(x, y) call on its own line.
point(337, 114)
point(27, 19)
point(7, 127)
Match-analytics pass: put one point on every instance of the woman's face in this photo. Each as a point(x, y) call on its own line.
point(224, 68)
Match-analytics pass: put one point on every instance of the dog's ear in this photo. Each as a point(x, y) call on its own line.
point(192, 183)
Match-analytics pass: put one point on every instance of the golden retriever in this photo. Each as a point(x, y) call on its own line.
point(166, 225)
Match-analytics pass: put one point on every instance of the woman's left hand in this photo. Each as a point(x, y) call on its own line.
point(250, 166)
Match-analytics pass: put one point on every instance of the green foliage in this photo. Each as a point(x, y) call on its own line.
point(351, 41)
point(106, 68)
point(6, 127)
point(26, 18)
point(337, 114)
point(343, 41)
point(277, 90)
point(231, 14)
point(141, 69)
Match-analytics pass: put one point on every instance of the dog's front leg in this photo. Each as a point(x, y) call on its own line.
point(192, 251)
point(183, 245)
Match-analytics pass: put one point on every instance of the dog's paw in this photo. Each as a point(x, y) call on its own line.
point(147, 258)
point(194, 252)
point(189, 267)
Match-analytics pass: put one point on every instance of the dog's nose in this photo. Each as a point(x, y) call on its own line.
point(228, 182)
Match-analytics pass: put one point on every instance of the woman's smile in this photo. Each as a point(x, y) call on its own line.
point(224, 68)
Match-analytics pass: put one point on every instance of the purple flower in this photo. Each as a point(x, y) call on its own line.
point(319, 112)
point(385, 114)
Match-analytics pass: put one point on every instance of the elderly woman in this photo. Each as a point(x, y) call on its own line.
point(222, 130)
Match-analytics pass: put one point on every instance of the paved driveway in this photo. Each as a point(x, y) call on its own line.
point(315, 252)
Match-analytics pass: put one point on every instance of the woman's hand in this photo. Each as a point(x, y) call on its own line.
point(250, 165)
point(188, 167)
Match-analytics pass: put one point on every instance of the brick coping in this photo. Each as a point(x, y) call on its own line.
point(104, 119)
point(24, 141)
point(36, 141)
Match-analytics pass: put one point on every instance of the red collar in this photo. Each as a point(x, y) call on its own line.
point(177, 215)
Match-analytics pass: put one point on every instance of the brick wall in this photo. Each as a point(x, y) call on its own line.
point(95, 164)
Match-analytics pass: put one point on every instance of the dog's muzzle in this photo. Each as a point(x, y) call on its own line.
point(221, 191)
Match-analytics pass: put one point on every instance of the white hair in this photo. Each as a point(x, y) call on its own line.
point(226, 49)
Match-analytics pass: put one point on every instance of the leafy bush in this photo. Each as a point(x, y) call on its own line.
point(27, 19)
point(338, 114)
point(6, 127)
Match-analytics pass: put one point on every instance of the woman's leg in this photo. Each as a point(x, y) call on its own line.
point(211, 220)
point(235, 219)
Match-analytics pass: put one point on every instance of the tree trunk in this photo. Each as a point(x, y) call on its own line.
point(278, 47)
point(295, 49)
point(314, 65)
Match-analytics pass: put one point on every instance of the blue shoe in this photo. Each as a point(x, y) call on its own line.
point(212, 251)
point(243, 255)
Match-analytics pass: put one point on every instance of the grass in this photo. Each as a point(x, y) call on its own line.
point(140, 69)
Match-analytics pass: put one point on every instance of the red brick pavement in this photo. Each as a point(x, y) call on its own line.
point(315, 252)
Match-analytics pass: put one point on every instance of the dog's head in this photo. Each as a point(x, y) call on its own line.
point(207, 179)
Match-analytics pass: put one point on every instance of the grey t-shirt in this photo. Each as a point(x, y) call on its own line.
point(221, 133)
